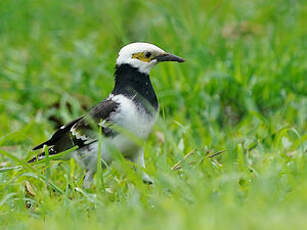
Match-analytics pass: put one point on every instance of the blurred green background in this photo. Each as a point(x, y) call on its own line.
point(243, 89)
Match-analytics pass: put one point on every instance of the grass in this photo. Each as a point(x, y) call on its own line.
point(242, 90)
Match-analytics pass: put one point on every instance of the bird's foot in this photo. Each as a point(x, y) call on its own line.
point(147, 179)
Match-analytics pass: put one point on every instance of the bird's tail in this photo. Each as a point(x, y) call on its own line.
point(64, 155)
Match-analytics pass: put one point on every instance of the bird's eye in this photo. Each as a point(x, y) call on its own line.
point(147, 54)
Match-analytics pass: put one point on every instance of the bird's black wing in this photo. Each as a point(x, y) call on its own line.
point(81, 131)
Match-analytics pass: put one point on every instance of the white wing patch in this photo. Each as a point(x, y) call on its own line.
point(77, 135)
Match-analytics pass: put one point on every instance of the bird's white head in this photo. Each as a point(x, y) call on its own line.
point(144, 56)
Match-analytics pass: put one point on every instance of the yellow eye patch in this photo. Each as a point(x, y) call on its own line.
point(143, 56)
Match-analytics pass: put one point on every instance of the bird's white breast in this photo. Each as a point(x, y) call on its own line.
point(132, 118)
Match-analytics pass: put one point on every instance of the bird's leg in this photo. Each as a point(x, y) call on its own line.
point(88, 178)
point(139, 159)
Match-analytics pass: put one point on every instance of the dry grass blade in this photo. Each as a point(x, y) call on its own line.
point(178, 164)
point(29, 189)
point(216, 154)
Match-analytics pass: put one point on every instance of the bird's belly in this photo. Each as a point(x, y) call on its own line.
point(87, 156)
point(125, 145)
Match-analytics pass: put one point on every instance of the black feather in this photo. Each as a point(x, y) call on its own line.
point(129, 81)
point(58, 135)
point(63, 139)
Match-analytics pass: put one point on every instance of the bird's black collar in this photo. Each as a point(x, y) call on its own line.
point(135, 85)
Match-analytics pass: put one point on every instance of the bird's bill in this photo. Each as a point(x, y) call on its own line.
point(168, 57)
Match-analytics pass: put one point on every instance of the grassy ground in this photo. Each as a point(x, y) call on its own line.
point(242, 90)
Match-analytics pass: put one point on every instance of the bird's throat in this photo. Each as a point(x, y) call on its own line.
point(134, 84)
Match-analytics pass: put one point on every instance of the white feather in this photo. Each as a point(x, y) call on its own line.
point(133, 118)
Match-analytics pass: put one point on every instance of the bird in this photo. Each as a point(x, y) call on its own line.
point(132, 106)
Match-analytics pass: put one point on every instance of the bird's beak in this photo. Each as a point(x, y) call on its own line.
point(168, 57)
